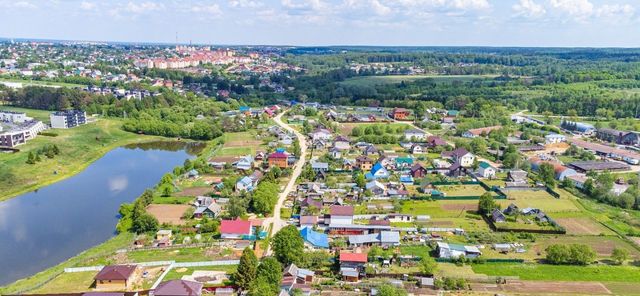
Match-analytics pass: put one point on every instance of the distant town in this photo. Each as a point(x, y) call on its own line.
point(321, 171)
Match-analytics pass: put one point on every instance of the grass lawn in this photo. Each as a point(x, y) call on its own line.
point(545, 272)
point(346, 128)
point(175, 275)
point(461, 190)
point(68, 283)
point(79, 147)
point(415, 250)
point(105, 249)
point(239, 144)
point(27, 82)
point(540, 200)
point(172, 200)
point(180, 255)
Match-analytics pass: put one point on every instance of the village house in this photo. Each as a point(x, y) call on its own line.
point(364, 163)
point(341, 215)
point(351, 264)
point(376, 188)
point(178, 288)
point(516, 178)
point(418, 171)
point(321, 134)
point(377, 172)
point(117, 277)
point(415, 135)
point(235, 229)
point(211, 210)
point(399, 113)
point(313, 239)
point(335, 153)
point(279, 159)
point(320, 167)
point(478, 132)
point(435, 141)
point(383, 239)
point(244, 163)
point(416, 149)
point(452, 251)
point(485, 170)
point(554, 139)
point(341, 143)
point(461, 156)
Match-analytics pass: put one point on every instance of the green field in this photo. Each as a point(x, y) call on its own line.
point(78, 146)
point(539, 200)
point(26, 82)
point(545, 272)
point(68, 283)
point(174, 274)
point(395, 79)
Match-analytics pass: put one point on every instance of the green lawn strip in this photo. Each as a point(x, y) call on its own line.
point(178, 255)
point(109, 247)
point(172, 200)
point(545, 272)
point(79, 147)
point(27, 82)
point(68, 283)
point(174, 273)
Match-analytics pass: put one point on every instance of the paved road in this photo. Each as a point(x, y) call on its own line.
point(276, 222)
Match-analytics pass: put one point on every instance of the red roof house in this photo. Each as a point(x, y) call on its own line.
point(235, 229)
point(353, 257)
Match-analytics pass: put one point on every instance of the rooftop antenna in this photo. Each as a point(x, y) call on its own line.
point(176, 37)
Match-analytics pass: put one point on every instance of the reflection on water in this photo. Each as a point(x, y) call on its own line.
point(45, 227)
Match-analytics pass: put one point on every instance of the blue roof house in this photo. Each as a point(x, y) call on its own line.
point(377, 172)
point(245, 184)
point(315, 239)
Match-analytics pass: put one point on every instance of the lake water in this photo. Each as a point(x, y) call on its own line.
point(43, 228)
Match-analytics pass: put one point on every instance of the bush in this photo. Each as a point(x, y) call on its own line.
point(574, 254)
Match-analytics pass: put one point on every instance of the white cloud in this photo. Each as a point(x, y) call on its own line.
point(379, 8)
point(528, 8)
point(143, 7)
point(87, 5)
point(470, 4)
point(245, 3)
point(18, 4)
point(212, 10)
point(579, 9)
point(616, 11)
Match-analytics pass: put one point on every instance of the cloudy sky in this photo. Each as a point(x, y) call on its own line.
point(598, 23)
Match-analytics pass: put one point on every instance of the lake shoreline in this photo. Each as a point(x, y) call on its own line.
point(81, 167)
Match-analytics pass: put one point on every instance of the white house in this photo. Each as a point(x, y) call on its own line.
point(415, 134)
point(485, 170)
point(554, 138)
point(321, 134)
point(460, 155)
point(341, 215)
point(416, 149)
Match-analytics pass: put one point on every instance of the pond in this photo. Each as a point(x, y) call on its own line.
point(43, 228)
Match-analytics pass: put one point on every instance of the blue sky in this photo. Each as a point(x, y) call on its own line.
point(597, 23)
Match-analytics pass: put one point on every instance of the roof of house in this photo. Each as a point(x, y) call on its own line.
point(485, 130)
point(308, 219)
point(115, 272)
point(459, 152)
point(341, 211)
point(235, 226)
point(278, 155)
point(417, 167)
point(178, 288)
point(317, 239)
point(353, 257)
point(484, 165)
